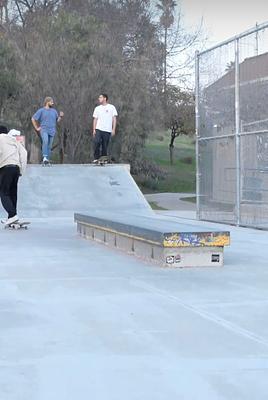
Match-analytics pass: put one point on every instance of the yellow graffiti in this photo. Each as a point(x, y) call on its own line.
point(222, 240)
point(197, 240)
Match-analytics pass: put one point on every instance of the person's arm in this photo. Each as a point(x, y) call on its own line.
point(23, 158)
point(95, 119)
point(61, 115)
point(114, 125)
point(36, 125)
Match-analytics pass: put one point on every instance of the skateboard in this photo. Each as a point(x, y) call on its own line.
point(46, 164)
point(103, 161)
point(17, 225)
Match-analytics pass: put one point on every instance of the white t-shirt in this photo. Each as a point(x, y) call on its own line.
point(104, 115)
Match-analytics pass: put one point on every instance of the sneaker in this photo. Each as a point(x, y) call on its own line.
point(95, 161)
point(45, 160)
point(12, 220)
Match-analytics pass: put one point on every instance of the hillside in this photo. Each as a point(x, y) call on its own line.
point(179, 177)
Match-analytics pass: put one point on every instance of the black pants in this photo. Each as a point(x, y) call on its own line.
point(9, 176)
point(101, 142)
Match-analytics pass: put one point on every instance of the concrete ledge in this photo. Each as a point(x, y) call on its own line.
point(145, 238)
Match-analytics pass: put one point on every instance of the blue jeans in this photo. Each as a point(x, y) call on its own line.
point(101, 142)
point(47, 141)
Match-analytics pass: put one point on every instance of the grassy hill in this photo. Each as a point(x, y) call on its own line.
point(179, 177)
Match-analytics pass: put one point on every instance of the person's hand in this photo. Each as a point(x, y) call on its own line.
point(94, 133)
point(38, 130)
point(113, 133)
point(61, 114)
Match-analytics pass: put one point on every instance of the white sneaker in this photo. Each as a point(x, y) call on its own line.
point(45, 160)
point(12, 220)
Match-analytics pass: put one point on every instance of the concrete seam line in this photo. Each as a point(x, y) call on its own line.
point(211, 317)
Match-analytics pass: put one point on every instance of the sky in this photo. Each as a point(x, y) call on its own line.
point(223, 19)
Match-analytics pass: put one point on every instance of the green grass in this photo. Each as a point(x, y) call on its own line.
point(180, 177)
point(154, 206)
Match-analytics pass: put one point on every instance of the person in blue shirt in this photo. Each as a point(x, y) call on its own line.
point(45, 123)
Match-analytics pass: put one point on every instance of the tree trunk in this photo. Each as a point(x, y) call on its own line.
point(165, 72)
point(171, 145)
point(171, 154)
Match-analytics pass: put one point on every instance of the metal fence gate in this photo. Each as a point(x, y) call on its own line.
point(232, 130)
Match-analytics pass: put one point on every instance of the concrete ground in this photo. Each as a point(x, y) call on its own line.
point(172, 201)
point(81, 321)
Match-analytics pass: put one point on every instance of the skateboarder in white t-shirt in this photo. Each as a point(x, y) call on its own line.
point(104, 125)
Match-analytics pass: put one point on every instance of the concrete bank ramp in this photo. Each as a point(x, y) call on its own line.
point(61, 190)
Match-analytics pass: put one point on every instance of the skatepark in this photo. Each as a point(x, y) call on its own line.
point(151, 286)
point(81, 319)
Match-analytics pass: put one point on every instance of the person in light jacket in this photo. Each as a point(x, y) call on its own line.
point(13, 161)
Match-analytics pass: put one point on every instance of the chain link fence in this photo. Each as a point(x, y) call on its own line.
point(232, 130)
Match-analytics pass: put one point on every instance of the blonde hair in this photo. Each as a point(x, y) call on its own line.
point(47, 100)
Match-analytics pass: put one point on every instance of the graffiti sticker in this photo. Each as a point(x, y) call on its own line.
point(170, 260)
point(215, 258)
point(177, 259)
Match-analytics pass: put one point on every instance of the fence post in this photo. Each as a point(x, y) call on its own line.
point(237, 134)
point(197, 134)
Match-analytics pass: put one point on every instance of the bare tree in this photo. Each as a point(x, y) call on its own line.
point(22, 8)
point(178, 45)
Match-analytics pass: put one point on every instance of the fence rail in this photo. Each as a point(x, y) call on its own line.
point(232, 130)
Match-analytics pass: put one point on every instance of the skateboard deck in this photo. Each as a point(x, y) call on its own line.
point(17, 225)
point(103, 161)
